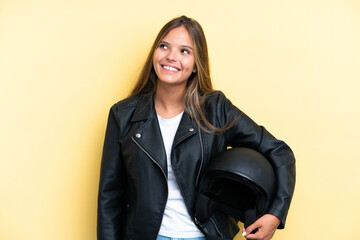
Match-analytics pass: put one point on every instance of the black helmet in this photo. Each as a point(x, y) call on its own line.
point(239, 182)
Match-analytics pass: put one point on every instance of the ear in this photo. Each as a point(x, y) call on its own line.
point(195, 69)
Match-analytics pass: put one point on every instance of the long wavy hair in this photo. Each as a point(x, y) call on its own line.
point(199, 84)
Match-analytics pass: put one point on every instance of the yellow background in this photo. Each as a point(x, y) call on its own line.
point(292, 65)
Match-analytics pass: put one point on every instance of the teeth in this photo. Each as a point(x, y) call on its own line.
point(170, 68)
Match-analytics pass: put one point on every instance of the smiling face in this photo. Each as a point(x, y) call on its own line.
point(174, 58)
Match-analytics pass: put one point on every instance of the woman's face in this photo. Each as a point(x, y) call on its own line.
point(174, 58)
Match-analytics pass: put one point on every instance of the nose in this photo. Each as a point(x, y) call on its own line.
point(172, 56)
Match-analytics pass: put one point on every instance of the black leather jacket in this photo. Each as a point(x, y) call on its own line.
point(133, 180)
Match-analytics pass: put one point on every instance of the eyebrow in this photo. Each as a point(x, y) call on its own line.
point(184, 46)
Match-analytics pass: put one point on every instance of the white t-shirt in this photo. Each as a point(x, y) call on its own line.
point(176, 222)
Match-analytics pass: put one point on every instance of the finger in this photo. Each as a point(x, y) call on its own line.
point(253, 236)
point(252, 227)
point(243, 232)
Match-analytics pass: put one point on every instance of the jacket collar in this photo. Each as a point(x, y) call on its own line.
point(145, 109)
point(148, 135)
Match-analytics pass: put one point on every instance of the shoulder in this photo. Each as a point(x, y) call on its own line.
point(129, 102)
point(217, 105)
point(215, 99)
point(124, 109)
point(133, 108)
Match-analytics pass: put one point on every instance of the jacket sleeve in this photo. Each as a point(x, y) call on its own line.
point(112, 186)
point(246, 133)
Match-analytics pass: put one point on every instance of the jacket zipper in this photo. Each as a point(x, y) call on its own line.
point(216, 227)
point(152, 159)
point(212, 221)
point(202, 157)
point(197, 180)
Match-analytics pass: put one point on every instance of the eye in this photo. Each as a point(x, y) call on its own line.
point(163, 46)
point(185, 51)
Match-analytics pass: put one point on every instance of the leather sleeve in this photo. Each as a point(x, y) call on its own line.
point(246, 133)
point(112, 187)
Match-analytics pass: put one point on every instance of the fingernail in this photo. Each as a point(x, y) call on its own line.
point(244, 234)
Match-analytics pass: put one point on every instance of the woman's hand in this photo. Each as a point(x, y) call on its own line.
point(266, 226)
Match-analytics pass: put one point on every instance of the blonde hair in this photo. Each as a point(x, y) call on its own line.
point(199, 84)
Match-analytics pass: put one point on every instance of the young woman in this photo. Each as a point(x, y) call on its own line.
point(160, 139)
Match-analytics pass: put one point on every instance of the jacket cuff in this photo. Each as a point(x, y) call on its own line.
point(279, 214)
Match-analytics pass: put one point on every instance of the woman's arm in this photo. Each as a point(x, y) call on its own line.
point(112, 186)
point(246, 133)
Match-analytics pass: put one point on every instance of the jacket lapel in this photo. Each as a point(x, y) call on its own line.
point(148, 135)
point(186, 129)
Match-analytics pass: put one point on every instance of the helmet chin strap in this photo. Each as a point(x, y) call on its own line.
point(250, 217)
point(209, 205)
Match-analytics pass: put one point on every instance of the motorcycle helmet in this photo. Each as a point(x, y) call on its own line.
point(239, 182)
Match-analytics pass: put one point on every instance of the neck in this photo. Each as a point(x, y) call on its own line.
point(169, 100)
